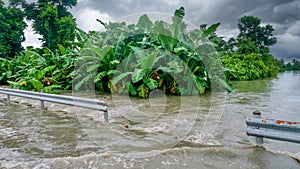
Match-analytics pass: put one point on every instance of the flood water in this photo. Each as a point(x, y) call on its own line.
point(162, 132)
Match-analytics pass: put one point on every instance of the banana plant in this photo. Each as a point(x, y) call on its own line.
point(141, 78)
point(7, 70)
point(119, 56)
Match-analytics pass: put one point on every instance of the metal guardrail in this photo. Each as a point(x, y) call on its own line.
point(94, 104)
point(272, 129)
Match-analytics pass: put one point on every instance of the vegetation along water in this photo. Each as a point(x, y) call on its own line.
point(53, 67)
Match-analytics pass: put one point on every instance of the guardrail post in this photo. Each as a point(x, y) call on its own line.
point(105, 114)
point(8, 98)
point(94, 104)
point(42, 102)
point(259, 140)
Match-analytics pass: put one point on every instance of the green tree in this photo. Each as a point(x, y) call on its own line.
point(281, 64)
point(12, 27)
point(51, 19)
point(249, 57)
point(262, 36)
point(246, 46)
point(230, 44)
point(296, 64)
point(289, 66)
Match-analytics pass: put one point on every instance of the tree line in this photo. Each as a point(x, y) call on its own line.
point(245, 57)
point(293, 65)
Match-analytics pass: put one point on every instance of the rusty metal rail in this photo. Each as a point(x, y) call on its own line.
point(94, 104)
point(272, 129)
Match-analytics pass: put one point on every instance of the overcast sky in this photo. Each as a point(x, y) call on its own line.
point(284, 15)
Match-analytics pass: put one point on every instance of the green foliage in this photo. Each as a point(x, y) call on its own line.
point(251, 59)
point(281, 64)
point(294, 65)
point(249, 66)
point(51, 20)
point(33, 71)
point(210, 32)
point(135, 59)
point(246, 46)
point(12, 27)
point(262, 36)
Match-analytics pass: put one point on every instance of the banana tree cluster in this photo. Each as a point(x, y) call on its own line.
point(38, 69)
point(138, 58)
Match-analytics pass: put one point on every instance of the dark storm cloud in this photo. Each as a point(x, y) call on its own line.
point(284, 15)
point(204, 11)
point(285, 18)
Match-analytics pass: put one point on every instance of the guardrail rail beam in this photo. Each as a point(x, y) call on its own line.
point(94, 104)
point(272, 129)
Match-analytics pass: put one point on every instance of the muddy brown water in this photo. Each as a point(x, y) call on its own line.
point(161, 132)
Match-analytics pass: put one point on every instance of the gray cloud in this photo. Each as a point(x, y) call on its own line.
point(204, 11)
point(284, 15)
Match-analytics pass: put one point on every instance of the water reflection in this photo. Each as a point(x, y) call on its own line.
point(255, 86)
